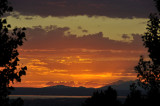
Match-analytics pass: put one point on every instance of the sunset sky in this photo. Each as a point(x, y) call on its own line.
point(88, 43)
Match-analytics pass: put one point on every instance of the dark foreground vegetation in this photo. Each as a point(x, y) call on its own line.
point(10, 69)
point(135, 98)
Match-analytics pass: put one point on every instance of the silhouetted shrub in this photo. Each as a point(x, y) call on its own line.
point(100, 98)
point(135, 98)
point(10, 70)
point(149, 70)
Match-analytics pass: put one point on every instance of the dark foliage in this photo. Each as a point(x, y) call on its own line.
point(157, 4)
point(135, 97)
point(4, 7)
point(10, 70)
point(149, 70)
point(153, 97)
point(106, 98)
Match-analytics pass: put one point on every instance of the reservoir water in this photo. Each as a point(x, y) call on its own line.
point(44, 96)
point(50, 97)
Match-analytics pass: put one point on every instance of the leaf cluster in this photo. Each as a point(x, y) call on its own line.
point(10, 69)
point(4, 7)
point(148, 71)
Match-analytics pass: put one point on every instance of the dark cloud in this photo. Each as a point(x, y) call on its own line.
point(125, 36)
point(38, 38)
point(85, 30)
point(110, 8)
point(28, 18)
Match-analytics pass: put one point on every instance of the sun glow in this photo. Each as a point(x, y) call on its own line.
point(91, 76)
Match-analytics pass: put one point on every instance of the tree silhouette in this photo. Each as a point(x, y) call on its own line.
point(4, 7)
point(149, 70)
point(106, 98)
point(157, 4)
point(10, 69)
point(135, 97)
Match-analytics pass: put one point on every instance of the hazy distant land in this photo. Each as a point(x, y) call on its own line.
point(122, 88)
point(62, 91)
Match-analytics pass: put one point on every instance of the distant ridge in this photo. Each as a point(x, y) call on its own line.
point(60, 90)
point(63, 86)
point(58, 86)
point(122, 87)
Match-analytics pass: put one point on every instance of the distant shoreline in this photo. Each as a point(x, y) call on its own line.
point(44, 96)
point(50, 96)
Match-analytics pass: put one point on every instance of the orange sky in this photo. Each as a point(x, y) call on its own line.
point(70, 44)
point(77, 67)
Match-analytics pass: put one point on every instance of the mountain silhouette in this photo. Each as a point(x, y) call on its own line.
point(122, 87)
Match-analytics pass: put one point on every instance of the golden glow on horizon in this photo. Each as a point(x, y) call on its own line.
point(86, 80)
point(87, 68)
point(92, 76)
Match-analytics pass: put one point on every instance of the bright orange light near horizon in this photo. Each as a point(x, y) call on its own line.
point(75, 67)
point(91, 76)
